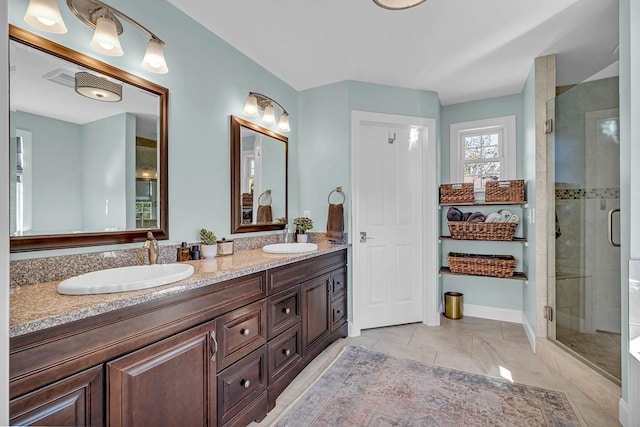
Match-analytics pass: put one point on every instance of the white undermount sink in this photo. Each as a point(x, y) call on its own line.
point(290, 248)
point(124, 279)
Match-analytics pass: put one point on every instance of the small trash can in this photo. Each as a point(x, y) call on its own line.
point(453, 305)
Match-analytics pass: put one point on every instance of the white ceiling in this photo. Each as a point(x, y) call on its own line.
point(462, 49)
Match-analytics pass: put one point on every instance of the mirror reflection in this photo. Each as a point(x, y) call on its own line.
point(80, 165)
point(259, 177)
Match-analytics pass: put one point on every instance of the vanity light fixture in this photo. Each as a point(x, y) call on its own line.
point(97, 88)
point(398, 4)
point(257, 102)
point(105, 20)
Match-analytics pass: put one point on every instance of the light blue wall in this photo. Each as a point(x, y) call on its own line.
point(479, 110)
point(507, 294)
point(208, 80)
point(56, 171)
point(325, 136)
point(527, 148)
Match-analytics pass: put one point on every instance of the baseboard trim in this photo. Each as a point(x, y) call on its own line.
point(493, 313)
point(623, 413)
point(531, 335)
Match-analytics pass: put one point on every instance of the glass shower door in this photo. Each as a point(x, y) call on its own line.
point(585, 198)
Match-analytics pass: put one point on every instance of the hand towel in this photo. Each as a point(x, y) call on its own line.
point(264, 214)
point(335, 222)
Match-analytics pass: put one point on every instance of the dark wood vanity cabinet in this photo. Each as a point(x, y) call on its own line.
point(172, 382)
point(216, 355)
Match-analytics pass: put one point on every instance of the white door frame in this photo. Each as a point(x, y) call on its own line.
point(430, 314)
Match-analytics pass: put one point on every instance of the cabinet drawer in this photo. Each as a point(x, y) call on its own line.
point(338, 311)
point(240, 385)
point(280, 278)
point(285, 352)
point(240, 332)
point(338, 281)
point(284, 311)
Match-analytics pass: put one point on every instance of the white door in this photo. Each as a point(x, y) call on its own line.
point(389, 222)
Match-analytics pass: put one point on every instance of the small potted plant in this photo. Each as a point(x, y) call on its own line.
point(208, 243)
point(302, 225)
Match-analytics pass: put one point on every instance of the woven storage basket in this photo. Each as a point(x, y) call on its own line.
point(465, 230)
point(504, 191)
point(457, 193)
point(501, 266)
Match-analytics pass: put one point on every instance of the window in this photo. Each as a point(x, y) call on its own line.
point(483, 151)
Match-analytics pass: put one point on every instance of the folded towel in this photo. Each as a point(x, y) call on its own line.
point(465, 216)
point(335, 222)
point(454, 214)
point(264, 214)
point(476, 217)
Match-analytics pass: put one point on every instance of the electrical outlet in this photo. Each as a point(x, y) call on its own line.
point(307, 214)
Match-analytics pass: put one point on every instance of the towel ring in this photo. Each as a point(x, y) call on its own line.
point(267, 194)
point(339, 191)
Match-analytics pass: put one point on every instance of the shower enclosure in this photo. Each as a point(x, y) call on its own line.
point(584, 200)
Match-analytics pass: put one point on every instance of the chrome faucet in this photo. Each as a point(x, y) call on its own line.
point(152, 248)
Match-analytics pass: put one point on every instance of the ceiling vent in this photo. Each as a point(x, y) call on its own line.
point(62, 77)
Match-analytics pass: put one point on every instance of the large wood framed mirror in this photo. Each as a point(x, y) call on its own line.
point(83, 172)
point(259, 177)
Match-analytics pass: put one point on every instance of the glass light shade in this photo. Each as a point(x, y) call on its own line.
point(398, 4)
point(283, 125)
point(154, 58)
point(45, 15)
point(268, 117)
point(251, 107)
point(105, 38)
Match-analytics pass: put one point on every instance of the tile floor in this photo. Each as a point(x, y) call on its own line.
point(470, 344)
point(600, 348)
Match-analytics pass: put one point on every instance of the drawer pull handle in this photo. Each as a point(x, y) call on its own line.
point(338, 312)
point(286, 352)
point(245, 332)
point(338, 283)
point(245, 383)
point(286, 310)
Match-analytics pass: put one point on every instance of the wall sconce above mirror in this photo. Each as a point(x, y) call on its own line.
point(91, 173)
point(259, 177)
point(45, 15)
point(257, 102)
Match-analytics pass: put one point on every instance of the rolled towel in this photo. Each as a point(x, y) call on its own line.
point(264, 214)
point(335, 222)
point(477, 217)
point(454, 214)
point(493, 217)
point(465, 216)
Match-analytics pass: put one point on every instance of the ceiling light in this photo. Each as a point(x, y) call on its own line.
point(97, 88)
point(398, 4)
point(45, 15)
point(105, 38)
point(257, 102)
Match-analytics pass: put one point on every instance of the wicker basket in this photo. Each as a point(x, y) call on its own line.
point(247, 200)
point(465, 230)
point(502, 266)
point(457, 193)
point(504, 191)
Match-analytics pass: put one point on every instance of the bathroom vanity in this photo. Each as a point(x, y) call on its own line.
point(217, 352)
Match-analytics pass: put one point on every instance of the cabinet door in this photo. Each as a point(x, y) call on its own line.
point(315, 310)
point(73, 401)
point(170, 383)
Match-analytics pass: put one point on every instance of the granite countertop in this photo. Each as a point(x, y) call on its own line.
point(39, 306)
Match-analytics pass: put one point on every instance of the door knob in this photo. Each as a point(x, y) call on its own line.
point(363, 237)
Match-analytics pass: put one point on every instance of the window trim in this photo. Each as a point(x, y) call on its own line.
point(508, 126)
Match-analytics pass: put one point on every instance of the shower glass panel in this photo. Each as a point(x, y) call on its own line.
point(585, 199)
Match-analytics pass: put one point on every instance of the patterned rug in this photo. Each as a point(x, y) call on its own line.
point(366, 388)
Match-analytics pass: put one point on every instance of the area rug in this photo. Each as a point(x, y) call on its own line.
point(366, 388)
